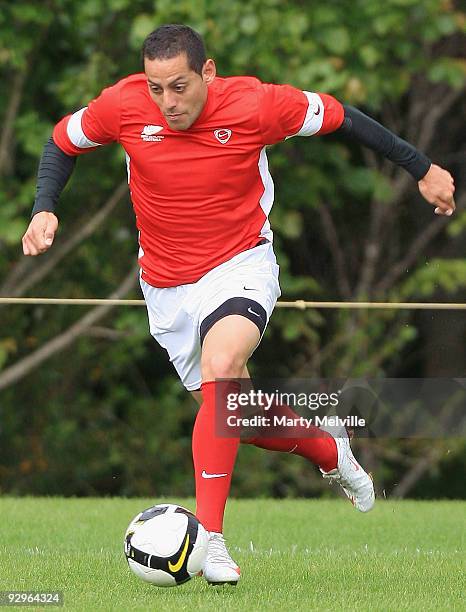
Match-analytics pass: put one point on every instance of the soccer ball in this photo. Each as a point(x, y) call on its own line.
point(166, 545)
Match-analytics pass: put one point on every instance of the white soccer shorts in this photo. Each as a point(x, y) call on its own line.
point(180, 316)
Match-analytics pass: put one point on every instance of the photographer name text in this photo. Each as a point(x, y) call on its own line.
point(284, 421)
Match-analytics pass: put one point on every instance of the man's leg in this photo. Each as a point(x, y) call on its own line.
point(226, 348)
point(330, 452)
point(312, 443)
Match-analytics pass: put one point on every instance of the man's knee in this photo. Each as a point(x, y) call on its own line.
point(222, 365)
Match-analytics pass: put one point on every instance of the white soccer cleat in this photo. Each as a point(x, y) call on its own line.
point(354, 481)
point(219, 567)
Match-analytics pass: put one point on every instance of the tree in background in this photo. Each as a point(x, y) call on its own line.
point(87, 404)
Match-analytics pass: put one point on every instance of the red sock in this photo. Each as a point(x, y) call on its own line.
point(313, 443)
point(212, 456)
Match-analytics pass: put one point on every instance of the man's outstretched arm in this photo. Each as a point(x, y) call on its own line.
point(83, 131)
point(436, 185)
point(55, 169)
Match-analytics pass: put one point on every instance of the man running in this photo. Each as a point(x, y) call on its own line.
point(201, 190)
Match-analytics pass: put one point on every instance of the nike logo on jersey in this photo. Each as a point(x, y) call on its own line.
point(206, 475)
point(223, 135)
point(314, 106)
point(249, 288)
point(254, 313)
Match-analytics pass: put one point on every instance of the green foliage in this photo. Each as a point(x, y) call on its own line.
point(458, 226)
point(446, 275)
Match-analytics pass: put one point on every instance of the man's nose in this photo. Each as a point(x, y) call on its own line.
point(169, 100)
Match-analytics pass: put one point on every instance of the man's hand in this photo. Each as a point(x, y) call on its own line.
point(437, 187)
point(40, 233)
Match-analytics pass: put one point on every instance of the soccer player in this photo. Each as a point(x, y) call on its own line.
point(199, 181)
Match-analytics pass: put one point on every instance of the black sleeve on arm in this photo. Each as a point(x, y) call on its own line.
point(375, 136)
point(55, 168)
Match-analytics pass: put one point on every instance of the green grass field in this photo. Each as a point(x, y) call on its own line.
point(294, 554)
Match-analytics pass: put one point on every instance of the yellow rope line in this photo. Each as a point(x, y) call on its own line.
point(298, 304)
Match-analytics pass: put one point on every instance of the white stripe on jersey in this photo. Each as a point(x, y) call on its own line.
point(128, 166)
point(266, 200)
point(314, 115)
point(76, 134)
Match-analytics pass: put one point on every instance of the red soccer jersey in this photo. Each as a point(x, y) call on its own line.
point(201, 195)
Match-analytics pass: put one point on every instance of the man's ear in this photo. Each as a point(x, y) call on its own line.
point(209, 70)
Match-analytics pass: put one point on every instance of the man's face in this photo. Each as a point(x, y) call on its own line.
point(178, 91)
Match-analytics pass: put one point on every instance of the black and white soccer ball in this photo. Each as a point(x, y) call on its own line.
point(166, 545)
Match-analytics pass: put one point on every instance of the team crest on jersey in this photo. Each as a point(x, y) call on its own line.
point(222, 135)
point(149, 133)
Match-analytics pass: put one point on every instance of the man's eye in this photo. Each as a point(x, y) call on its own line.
point(155, 90)
point(179, 88)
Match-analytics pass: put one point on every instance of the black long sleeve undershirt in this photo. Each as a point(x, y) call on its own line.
point(368, 132)
point(56, 167)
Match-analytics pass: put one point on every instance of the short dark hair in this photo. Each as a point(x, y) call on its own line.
point(170, 40)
